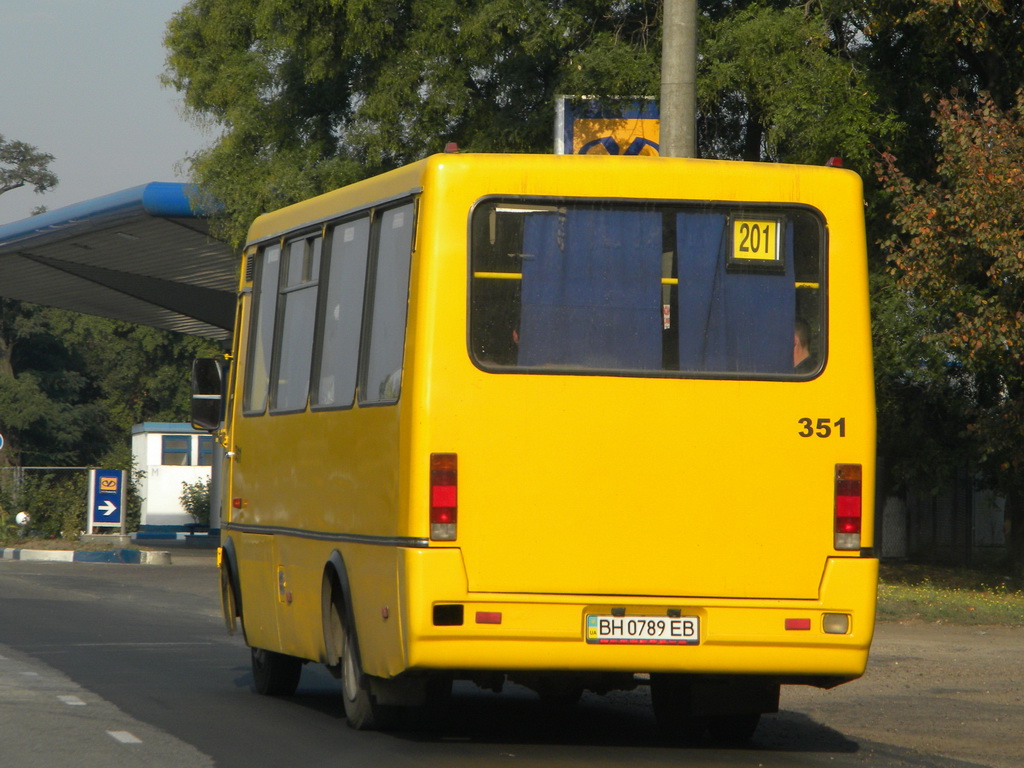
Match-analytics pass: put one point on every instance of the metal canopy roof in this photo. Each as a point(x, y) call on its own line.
point(140, 255)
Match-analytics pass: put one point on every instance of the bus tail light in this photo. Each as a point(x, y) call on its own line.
point(848, 506)
point(444, 496)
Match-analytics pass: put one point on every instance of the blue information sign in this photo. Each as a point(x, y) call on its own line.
point(107, 497)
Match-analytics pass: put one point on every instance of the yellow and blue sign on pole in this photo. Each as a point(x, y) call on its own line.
point(590, 127)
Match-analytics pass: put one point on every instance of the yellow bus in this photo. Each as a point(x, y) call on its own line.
point(579, 423)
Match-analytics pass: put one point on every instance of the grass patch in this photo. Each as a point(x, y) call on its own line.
point(948, 595)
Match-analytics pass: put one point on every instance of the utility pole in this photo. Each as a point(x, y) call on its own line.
point(678, 122)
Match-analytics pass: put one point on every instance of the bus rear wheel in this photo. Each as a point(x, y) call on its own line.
point(275, 674)
point(733, 729)
point(229, 603)
point(726, 710)
point(361, 708)
point(670, 699)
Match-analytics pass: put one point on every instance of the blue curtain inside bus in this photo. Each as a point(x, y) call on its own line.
point(591, 295)
point(591, 290)
point(731, 321)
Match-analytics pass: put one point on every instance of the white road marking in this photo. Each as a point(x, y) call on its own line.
point(125, 737)
point(72, 701)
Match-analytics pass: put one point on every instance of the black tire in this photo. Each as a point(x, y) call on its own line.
point(229, 604)
point(670, 699)
point(361, 709)
point(439, 692)
point(733, 729)
point(275, 674)
point(562, 697)
point(432, 714)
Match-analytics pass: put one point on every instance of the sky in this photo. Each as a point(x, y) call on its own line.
point(80, 80)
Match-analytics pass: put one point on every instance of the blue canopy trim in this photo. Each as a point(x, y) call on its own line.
point(163, 199)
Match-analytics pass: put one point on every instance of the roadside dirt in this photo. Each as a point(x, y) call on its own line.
point(938, 689)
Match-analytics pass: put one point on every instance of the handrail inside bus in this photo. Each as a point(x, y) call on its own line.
point(664, 280)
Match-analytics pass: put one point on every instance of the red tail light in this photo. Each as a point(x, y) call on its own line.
point(848, 506)
point(444, 496)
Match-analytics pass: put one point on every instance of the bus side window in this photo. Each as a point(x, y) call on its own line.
point(342, 319)
point(294, 343)
point(381, 379)
point(261, 331)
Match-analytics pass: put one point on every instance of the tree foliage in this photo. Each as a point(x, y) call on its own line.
point(23, 165)
point(72, 386)
point(973, 45)
point(918, 49)
point(781, 84)
point(316, 93)
point(959, 252)
point(311, 94)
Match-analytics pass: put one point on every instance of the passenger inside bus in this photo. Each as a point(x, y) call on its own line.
point(803, 360)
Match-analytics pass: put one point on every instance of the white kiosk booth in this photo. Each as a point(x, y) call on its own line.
point(170, 454)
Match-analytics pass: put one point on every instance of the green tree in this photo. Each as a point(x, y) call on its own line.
point(21, 402)
point(911, 53)
point(44, 411)
point(23, 165)
point(75, 384)
point(915, 49)
point(784, 84)
point(311, 94)
point(139, 373)
point(959, 252)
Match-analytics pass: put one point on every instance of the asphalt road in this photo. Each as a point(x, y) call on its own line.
point(130, 665)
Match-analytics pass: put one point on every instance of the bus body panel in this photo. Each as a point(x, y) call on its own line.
point(576, 493)
point(620, 503)
point(282, 580)
point(283, 480)
point(256, 574)
point(614, 484)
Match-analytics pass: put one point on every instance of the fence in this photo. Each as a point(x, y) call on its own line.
point(961, 523)
point(54, 498)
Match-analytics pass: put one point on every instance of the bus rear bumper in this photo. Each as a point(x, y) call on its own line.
point(791, 640)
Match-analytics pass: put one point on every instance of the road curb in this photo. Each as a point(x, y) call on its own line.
point(129, 556)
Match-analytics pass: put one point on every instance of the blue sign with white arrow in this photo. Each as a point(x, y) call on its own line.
point(107, 497)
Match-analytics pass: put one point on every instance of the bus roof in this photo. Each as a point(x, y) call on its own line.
point(617, 171)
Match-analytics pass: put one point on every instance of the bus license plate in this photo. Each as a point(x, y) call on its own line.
point(643, 630)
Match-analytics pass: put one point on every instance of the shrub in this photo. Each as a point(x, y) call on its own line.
point(54, 500)
point(195, 498)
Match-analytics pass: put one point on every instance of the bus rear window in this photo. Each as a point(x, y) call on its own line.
point(647, 289)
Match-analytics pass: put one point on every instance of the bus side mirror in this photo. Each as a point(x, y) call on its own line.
point(207, 393)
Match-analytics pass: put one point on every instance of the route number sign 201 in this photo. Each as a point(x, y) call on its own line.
point(755, 239)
